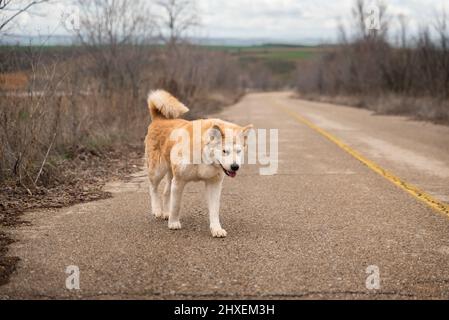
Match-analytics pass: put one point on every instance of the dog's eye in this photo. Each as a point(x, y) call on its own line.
point(225, 152)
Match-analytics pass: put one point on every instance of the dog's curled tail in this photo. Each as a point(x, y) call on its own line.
point(163, 105)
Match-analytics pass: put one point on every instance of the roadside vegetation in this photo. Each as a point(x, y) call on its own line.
point(389, 73)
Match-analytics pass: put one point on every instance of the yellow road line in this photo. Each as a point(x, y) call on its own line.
point(414, 191)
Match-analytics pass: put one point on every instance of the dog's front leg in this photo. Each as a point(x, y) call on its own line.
point(213, 191)
point(177, 187)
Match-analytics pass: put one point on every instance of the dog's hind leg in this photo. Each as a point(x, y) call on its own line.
point(166, 196)
point(177, 187)
point(155, 177)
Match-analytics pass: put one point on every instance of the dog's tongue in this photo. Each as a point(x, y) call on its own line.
point(232, 174)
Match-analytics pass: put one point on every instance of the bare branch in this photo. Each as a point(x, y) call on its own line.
point(179, 16)
point(5, 5)
point(45, 159)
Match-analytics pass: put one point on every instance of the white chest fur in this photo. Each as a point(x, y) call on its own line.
point(198, 172)
point(208, 171)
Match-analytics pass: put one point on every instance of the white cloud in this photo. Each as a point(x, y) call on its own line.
point(285, 19)
point(272, 18)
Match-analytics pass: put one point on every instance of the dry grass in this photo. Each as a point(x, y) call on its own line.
point(13, 81)
point(425, 109)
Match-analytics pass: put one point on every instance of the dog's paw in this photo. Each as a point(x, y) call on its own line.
point(165, 215)
point(218, 232)
point(174, 225)
point(157, 214)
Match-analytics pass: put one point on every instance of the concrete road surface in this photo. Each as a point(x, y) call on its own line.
point(311, 231)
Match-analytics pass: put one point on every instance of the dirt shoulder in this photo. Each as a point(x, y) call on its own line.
point(84, 178)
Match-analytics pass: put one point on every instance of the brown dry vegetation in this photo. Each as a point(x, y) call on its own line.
point(13, 81)
point(408, 77)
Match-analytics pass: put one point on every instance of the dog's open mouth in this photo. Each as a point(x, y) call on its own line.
point(231, 174)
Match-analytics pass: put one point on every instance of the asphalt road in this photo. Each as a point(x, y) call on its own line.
point(311, 231)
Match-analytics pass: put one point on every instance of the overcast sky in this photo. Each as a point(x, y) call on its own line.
point(293, 20)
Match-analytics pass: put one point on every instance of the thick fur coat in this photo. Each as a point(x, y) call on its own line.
point(172, 147)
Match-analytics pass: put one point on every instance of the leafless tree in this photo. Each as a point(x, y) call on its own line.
point(177, 17)
point(11, 9)
point(114, 22)
point(403, 26)
point(115, 34)
point(411, 77)
point(361, 13)
point(442, 28)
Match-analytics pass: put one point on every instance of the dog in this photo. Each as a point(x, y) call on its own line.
point(222, 145)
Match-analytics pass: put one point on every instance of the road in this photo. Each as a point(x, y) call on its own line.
point(309, 232)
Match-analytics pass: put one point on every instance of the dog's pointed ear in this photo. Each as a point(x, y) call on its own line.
point(247, 128)
point(216, 134)
point(245, 131)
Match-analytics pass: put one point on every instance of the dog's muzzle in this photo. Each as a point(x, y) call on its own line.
point(231, 174)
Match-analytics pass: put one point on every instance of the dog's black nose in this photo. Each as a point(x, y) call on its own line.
point(235, 167)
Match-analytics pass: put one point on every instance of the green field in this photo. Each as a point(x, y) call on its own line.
point(272, 52)
point(281, 61)
point(268, 51)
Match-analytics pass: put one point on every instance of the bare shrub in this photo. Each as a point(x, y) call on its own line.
point(30, 120)
point(11, 9)
point(369, 66)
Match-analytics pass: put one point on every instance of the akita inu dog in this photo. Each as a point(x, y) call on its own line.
point(221, 147)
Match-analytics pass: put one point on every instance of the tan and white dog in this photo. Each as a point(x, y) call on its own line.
point(170, 149)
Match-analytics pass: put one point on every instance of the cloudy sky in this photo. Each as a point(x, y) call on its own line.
point(293, 20)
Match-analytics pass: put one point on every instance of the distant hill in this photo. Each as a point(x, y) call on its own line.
point(42, 40)
point(62, 40)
